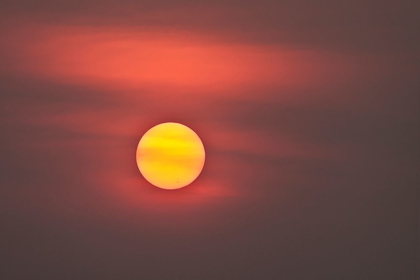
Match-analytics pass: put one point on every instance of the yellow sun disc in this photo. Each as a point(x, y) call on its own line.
point(170, 156)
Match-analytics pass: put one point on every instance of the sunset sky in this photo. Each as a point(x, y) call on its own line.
point(308, 112)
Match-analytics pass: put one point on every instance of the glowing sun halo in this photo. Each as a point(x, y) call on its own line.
point(170, 156)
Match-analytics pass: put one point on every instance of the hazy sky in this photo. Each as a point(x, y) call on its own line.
point(308, 110)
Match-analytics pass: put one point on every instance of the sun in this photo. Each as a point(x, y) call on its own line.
point(170, 156)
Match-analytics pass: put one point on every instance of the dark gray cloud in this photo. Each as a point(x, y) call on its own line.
point(362, 26)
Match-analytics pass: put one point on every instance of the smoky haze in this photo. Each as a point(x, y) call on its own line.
point(309, 113)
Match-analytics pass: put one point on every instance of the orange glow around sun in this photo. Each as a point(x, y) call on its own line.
point(170, 156)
